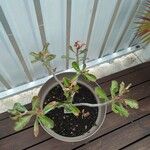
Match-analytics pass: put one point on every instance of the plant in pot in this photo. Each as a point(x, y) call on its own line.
point(71, 106)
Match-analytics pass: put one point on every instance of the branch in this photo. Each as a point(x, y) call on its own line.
point(77, 57)
point(94, 105)
point(50, 71)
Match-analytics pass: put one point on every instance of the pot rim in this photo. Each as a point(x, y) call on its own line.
point(99, 121)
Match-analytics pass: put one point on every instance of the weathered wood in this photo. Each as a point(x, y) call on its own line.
point(114, 126)
point(22, 139)
point(137, 92)
point(5, 115)
point(125, 72)
point(111, 123)
point(142, 144)
point(121, 137)
point(7, 127)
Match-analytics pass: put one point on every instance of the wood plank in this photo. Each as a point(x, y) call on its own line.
point(143, 144)
point(135, 77)
point(5, 115)
point(22, 139)
point(141, 91)
point(107, 127)
point(125, 72)
point(137, 92)
point(7, 127)
point(121, 137)
point(120, 74)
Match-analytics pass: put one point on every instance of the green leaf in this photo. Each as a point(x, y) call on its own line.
point(75, 65)
point(83, 51)
point(76, 88)
point(74, 77)
point(35, 103)
point(36, 127)
point(122, 88)
point(19, 107)
point(47, 122)
point(101, 94)
point(15, 117)
point(114, 88)
point(34, 54)
point(84, 67)
point(66, 82)
point(70, 48)
point(50, 106)
point(131, 103)
point(66, 94)
point(50, 57)
point(119, 109)
point(13, 111)
point(22, 122)
point(71, 109)
point(34, 61)
point(90, 77)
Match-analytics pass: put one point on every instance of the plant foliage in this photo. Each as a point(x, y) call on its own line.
point(119, 103)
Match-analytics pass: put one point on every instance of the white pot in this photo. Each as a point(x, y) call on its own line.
point(101, 110)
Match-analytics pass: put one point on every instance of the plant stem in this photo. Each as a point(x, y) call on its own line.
point(50, 71)
point(26, 113)
point(84, 58)
point(97, 84)
point(77, 57)
point(94, 105)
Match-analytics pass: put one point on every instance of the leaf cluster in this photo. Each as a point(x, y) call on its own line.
point(22, 116)
point(43, 56)
point(83, 72)
point(119, 103)
point(79, 49)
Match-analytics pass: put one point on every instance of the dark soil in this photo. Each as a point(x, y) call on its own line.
point(68, 124)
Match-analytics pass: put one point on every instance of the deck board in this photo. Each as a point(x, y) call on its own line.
point(120, 137)
point(117, 75)
point(128, 129)
point(142, 144)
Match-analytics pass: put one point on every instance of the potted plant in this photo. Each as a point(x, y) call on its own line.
point(71, 106)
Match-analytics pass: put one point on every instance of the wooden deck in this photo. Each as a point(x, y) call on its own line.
point(130, 133)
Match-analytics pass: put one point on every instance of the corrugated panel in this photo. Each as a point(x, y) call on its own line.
point(2, 87)
point(27, 24)
point(54, 20)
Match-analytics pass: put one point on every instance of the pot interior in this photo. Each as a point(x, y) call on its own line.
point(70, 128)
point(66, 124)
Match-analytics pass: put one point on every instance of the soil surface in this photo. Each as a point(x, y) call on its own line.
point(68, 124)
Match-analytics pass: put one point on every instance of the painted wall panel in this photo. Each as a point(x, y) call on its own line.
point(103, 15)
point(27, 24)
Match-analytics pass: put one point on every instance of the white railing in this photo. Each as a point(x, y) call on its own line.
point(105, 25)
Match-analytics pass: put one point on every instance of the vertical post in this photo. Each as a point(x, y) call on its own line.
point(94, 9)
point(39, 16)
point(110, 27)
point(14, 44)
point(68, 29)
point(133, 12)
point(4, 82)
